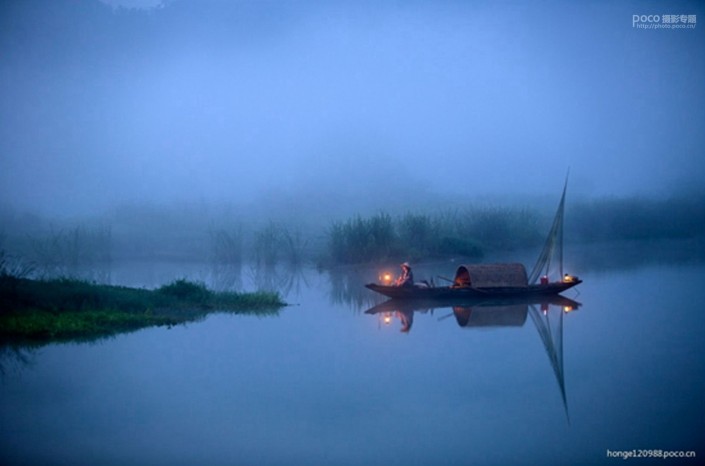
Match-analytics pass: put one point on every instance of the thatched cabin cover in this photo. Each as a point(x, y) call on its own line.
point(491, 275)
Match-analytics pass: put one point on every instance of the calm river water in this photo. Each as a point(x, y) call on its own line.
point(326, 383)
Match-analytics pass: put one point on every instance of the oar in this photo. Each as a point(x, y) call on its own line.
point(446, 279)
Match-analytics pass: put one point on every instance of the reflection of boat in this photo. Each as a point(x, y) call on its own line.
point(509, 311)
point(489, 313)
point(498, 280)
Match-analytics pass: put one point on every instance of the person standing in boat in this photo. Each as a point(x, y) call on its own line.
point(406, 278)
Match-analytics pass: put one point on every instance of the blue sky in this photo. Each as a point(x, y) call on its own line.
point(232, 101)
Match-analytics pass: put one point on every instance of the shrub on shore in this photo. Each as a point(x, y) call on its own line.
point(65, 308)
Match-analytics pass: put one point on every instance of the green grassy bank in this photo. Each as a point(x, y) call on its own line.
point(72, 309)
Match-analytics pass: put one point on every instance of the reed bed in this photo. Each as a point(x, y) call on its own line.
point(414, 236)
point(276, 242)
point(71, 252)
point(226, 246)
point(473, 231)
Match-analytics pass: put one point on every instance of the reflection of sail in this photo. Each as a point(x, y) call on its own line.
point(551, 334)
point(486, 313)
point(553, 245)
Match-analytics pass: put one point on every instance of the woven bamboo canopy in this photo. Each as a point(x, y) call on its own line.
point(491, 275)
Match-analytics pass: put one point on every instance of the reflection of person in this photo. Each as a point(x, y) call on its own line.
point(462, 315)
point(406, 278)
point(406, 318)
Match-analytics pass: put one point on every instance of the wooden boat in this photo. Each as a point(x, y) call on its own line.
point(498, 280)
point(481, 281)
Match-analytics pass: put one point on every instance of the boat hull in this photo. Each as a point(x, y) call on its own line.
point(450, 292)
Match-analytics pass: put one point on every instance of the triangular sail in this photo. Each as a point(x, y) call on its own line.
point(553, 245)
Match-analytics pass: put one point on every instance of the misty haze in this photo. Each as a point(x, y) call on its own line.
point(235, 173)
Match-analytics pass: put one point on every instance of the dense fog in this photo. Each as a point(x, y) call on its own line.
point(214, 115)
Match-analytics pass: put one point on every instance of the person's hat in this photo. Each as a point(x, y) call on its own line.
point(406, 264)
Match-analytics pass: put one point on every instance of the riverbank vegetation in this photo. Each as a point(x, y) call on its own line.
point(227, 236)
point(382, 237)
point(63, 309)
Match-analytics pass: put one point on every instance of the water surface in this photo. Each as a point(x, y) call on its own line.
point(326, 383)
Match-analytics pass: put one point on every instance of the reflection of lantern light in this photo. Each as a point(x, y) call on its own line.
point(387, 319)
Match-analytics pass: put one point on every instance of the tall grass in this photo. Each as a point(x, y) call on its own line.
point(411, 236)
point(226, 246)
point(183, 234)
point(226, 257)
point(293, 247)
point(72, 252)
point(266, 244)
point(364, 239)
point(14, 266)
point(475, 231)
point(225, 277)
point(276, 242)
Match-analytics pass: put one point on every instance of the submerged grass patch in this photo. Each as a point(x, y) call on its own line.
point(67, 309)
